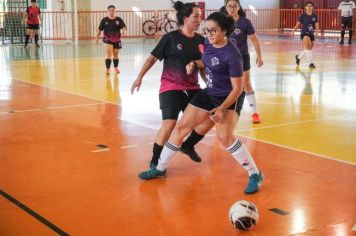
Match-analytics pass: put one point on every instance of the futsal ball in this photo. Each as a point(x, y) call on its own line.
point(243, 215)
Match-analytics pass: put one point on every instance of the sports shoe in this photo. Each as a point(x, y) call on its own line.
point(191, 153)
point(297, 60)
point(153, 165)
point(256, 118)
point(350, 42)
point(341, 42)
point(254, 183)
point(152, 173)
point(312, 66)
point(117, 71)
point(107, 72)
point(37, 46)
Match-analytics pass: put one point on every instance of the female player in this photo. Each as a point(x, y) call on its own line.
point(33, 15)
point(244, 29)
point(112, 26)
point(220, 102)
point(177, 49)
point(310, 28)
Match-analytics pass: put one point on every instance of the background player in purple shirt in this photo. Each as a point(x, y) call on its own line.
point(112, 26)
point(177, 49)
point(243, 30)
point(221, 102)
point(310, 28)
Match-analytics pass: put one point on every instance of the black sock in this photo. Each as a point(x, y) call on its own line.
point(350, 35)
point(342, 35)
point(27, 38)
point(36, 39)
point(157, 149)
point(108, 63)
point(116, 62)
point(193, 139)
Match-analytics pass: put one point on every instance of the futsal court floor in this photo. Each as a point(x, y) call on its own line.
point(72, 141)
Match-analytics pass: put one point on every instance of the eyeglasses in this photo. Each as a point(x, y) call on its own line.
point(212, 32)
point(232, 7)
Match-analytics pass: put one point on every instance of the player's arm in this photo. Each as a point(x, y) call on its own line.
point(295, 28)
point(216, 114)
point(150, 61)
point(317, 29)
point(256, 45)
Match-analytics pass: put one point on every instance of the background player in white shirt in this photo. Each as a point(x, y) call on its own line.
point(347, 8)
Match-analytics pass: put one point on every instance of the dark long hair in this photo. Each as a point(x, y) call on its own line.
point(224, 21)
point(183, 10)
point(241, 11)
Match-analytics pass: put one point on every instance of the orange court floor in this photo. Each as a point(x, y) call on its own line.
point(72, 141)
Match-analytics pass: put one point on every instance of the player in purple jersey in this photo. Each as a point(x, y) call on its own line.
point(243, 30)
point(220, 102)
point(112, 26)
point(177, 49)
point(310, 28)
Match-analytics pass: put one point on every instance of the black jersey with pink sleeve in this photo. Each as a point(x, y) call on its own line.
point(177, 50)
point(111, 28)
point(221, 64)
point(32, 15)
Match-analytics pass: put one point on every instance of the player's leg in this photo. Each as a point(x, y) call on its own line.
point(28, 34)
point(117, 47)
point(35, 31)
point(343, 29)
point(109, 53)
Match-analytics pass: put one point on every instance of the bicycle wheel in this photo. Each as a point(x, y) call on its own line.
point(170, 26)
point(149, 27)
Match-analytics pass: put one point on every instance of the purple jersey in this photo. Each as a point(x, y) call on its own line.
point(308, 23)
point(243, 28)
point(220, 65)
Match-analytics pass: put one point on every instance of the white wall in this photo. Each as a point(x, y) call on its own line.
point(166, 4)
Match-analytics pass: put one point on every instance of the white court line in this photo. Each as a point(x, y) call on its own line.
point(64, 91)
point(150, 127)
point(129, 146)
point(278, 145)
point(101, 150)
point(51, 108)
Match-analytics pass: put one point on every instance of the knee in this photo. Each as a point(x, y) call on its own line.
point(181, 130)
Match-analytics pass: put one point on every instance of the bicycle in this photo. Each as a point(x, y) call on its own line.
point(151, 27)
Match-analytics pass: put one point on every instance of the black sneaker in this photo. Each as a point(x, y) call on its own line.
point(350, 42)
point(297, 60)
point(312, 66)
point(37, 46)
point(341, 42)
point(191, 153)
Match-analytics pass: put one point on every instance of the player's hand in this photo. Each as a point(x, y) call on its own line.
point(136, 85)
point(259, 62)
point(216, 114)
point(190, 67)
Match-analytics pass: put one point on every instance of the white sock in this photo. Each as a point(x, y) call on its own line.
point(303, 53)
point(239, 151)
point(251, 99)
point(309, 56)
point(168, 151)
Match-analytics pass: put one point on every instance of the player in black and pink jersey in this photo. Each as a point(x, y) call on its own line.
point(177, 49)
point(33, 18)
point(112, 26)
